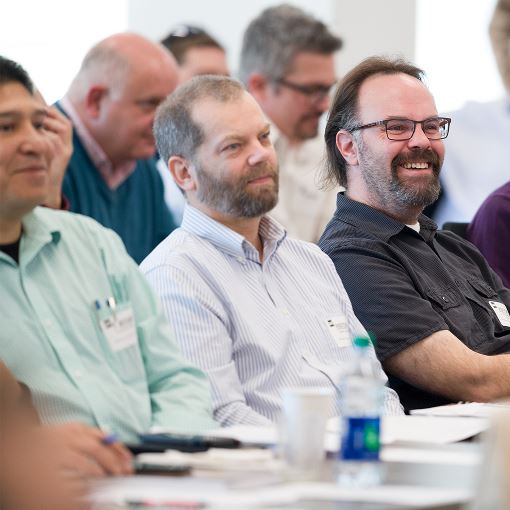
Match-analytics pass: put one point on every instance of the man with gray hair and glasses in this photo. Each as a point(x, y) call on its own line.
point(287, 64)
point(257, 310)
point(439, 313)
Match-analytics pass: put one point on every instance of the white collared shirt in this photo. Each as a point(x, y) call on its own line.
point(254, 327)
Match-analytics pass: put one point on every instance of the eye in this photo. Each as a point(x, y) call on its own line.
point(265, 137)
point(431, 126)
point(7, 127)
point(231, 147)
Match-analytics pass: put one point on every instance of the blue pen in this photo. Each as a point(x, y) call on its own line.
point(111, 438)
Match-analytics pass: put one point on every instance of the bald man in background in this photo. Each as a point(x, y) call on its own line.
point(112, 174)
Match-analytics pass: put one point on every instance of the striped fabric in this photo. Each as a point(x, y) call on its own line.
point(254, 327)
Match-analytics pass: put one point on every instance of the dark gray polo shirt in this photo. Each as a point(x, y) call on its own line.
point(404, 286)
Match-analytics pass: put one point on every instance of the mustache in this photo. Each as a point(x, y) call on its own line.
point(262, 170)
point(417, 156)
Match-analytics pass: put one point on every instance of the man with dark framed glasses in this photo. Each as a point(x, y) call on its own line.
point(438, 311)
point(287, 64)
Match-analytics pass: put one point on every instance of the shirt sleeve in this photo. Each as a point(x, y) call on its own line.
point(179, 392)
point(384, 298)
point(202, 328)
point(490, 232)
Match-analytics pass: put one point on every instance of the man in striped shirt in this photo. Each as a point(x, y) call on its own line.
point(256, 310)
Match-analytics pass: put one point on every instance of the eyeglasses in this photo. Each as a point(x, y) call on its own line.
point(435, 128)
point(316, 93)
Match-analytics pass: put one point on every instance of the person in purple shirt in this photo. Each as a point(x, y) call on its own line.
point(490, 231)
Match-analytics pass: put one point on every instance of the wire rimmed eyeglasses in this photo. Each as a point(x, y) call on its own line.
point(434, 128)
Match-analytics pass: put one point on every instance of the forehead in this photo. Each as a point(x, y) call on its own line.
point(14, 98)
point(314, 67)
point(395, 95)
point(211, 59)
point(238, 117)
point(153, 76)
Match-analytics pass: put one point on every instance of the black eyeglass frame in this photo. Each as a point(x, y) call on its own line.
point(446, 127)
point(314, 92)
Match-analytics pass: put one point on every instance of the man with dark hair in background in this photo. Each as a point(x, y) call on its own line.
point(196, 52)
point(287, 64)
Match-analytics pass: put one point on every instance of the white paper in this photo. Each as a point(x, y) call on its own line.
point(216, 493)
point(469, 409)
point(424, 429)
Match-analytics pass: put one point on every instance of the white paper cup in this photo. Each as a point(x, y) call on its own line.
point(302, 427)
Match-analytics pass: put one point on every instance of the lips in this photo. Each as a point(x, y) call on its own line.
point(420, 159)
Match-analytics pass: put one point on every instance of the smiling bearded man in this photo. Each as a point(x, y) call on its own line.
point(438, 311)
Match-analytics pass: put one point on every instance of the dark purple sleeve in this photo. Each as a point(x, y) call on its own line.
point(490, 232)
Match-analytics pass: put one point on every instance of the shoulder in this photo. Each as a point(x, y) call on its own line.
point(77, 229)
point(181, 249)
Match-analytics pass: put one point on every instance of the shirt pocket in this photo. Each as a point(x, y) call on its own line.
point(444, 298)
point(479, 296)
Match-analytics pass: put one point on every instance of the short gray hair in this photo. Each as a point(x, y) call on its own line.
point(103, 63)
point(174, 129)
point(277, 35)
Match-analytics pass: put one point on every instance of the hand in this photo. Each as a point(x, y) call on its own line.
point(59, 132)
point(80, 449)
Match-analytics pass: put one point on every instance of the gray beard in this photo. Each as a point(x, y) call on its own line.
point(232, 199)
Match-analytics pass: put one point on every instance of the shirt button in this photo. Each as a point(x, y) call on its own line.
point(445, 299)
point(285, 311)
point(240, 259)
point(48, 323)
point(77, 374)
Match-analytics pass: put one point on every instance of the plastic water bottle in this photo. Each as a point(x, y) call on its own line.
point(362, 396)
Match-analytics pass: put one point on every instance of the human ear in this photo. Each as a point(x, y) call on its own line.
point(257, 86)
point(93, 100)
point(179, 167)
point(347, 147)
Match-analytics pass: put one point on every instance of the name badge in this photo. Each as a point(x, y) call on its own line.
point(337, 327)
point(118, 326)
point(501, 312)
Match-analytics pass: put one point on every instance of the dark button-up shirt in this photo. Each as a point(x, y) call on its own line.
point(404, 286)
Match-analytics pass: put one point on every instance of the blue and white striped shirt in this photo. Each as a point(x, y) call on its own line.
point(254, 327)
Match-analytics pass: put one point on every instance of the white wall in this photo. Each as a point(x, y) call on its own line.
point(448, 38)
point(374, 27)
point(224, 19)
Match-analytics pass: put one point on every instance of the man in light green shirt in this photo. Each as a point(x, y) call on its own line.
point(78, 323)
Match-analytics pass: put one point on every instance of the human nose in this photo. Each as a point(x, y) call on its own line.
point(419, 138)
point(260, 153)
point(33, 141)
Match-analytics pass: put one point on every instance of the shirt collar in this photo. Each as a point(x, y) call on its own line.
point(228, 241)
point(37, 233)
point(113, 176)
point(377, 223)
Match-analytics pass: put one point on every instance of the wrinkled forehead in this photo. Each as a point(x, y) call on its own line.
point(394, 95)
point(238, 115)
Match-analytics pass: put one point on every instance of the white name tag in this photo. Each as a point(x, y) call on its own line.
point(337, 327)
point(119, 329)
point(501, 312)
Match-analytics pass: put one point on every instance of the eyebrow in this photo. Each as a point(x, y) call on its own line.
point(18, 113)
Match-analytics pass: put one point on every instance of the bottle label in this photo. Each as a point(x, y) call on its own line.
point(360, 439)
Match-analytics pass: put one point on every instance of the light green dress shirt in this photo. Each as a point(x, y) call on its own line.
point(50, 336)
